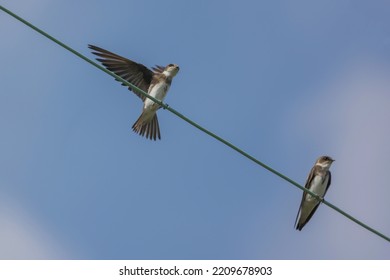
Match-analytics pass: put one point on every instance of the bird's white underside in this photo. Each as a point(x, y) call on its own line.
point(158, 91)
point(310, 202)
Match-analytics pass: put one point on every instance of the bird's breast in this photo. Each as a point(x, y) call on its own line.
point(318, 186)
point(158, 91)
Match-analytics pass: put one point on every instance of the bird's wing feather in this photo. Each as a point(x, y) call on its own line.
point(307, 186)
point(135, 73)
point(158, 69)
point(318, 204)
point(329, 180)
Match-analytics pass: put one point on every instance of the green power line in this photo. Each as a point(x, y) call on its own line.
point(165, 106)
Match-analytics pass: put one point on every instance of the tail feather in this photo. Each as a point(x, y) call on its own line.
point(305, 213)
point(147, 127)
point(297, 223)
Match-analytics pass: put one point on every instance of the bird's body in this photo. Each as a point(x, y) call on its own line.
point(147, 122)
point(156, 83)
point(158, 91)
point(318, 182)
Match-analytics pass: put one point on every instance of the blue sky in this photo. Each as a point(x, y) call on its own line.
point(286, 81)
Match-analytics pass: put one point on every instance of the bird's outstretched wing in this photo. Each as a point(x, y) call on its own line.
point(133, 72)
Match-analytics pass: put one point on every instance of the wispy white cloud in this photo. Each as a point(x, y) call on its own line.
point(23, 235)
point(352, 115)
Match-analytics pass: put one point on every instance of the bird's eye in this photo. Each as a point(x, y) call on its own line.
point(329, 159)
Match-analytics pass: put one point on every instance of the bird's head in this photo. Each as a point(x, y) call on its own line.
point(324, 162)
point(171, 70)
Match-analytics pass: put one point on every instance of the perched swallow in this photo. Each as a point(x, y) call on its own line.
point(155, 82)
point(318, 182)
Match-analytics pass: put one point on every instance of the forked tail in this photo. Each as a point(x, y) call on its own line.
point(147, 127)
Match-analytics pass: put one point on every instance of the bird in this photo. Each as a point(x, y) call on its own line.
point(318, 182)
point(156, 82)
